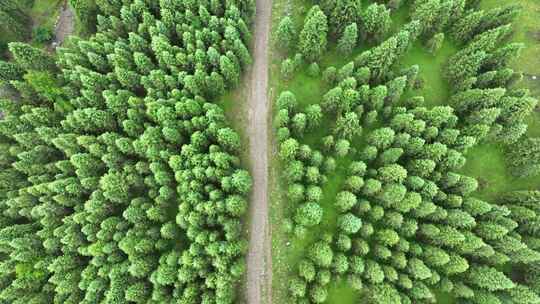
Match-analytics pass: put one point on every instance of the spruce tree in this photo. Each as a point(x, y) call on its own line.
point(313, 37)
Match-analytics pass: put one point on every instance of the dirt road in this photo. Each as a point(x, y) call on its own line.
point(259, 264)
point(65, 25)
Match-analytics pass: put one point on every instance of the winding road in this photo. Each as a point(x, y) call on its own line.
point(259, 264)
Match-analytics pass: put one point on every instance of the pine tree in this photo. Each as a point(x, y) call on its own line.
point(286, 33)
point(86, 12)
point(15, 19)
point(342, 13)
point(348, 41)
point(313, 40)
point(435, 43)
point(376, 21)
point(30, 58)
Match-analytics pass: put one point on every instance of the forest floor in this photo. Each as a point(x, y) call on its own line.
point(65, 25)
point(259, 267)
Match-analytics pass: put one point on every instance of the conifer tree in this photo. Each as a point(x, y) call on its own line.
point(348, 41)
point(313, 37)
point(286, 33)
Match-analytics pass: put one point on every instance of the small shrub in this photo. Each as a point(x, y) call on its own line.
point(313, 70)
point(43, 34)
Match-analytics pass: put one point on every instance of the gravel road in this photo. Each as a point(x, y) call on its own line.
point(259, 264)
point(65, 25)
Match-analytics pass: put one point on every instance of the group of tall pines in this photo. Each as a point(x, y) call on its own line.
point(409, 228)
point(120, 180)
point(15, 23)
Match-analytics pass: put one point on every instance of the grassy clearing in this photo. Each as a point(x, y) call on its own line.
point(341, 293)
point(444, 298)
point(234, 104)
point(486, 162)
point(436, 89)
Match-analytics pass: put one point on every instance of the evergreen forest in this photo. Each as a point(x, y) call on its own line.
point(120, 175)
point(269, 152)
point(380, 105)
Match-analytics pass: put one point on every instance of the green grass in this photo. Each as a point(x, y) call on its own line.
point(341, 293)
point(444, 298)
point(486, 162)
point(436, 89)
point(308, 90)
point(400, 17)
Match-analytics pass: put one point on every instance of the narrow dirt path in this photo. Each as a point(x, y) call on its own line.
point(259, 264)
point(65, 25)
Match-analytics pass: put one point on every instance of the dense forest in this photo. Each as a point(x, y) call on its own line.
point(120, 177)
point(124, 180)
point(374, 184)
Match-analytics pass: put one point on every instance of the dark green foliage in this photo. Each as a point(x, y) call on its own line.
point(376, 21)
point(286, 32)
point(309, 214)
point(342, 13)
point(86, 13)
point(477, 22)
point(14, 19)
point(120, 179)
point(313, 37)
point(489, 278)
point(42, 34)
point(10, 71)
point(349, 39)
point(31, 58)
point(524, 157)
